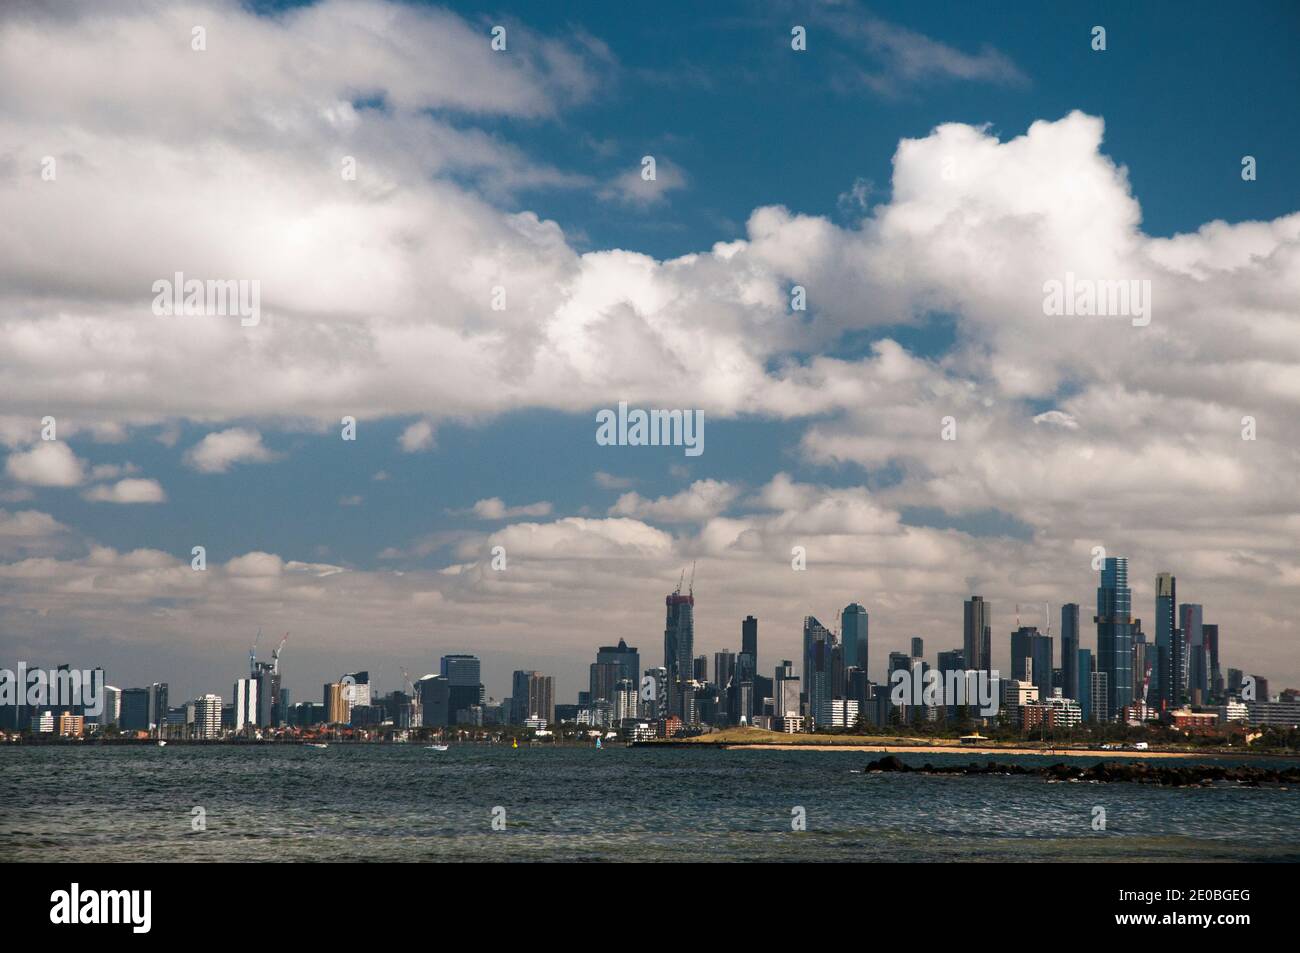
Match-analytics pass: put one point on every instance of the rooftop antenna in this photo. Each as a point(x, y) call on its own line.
point(1017, 615)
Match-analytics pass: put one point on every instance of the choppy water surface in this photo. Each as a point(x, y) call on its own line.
point(405, 803)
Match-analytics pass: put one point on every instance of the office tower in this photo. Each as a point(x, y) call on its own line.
point(135, 709)
point(899, 662)
point(657, 705)
point(749, 637)
point(1027, 643)
point(464, 682)
point(356, 686)
point(533, 696)
point(853, 635)
point(158, 706)
point(1070, 650)
point(953, 660)
point(1212, 649)
point(604, 676)
point(679, 646)
point(434, 695)
point(627, 657)
point(1235, 677)
point(817, 670)
point(1099, 695)
point(246, 703)
point(112, 706)
point(785, 691)
point(1083, 667)
point(700, 669)
point(1168, 653)
point(837, 669)
point(1115, 637)
point(724, 665)
point(1143, 655)
point(977, 634)
point(918, 647)
point(857, 687)
point(207, 717)
point(1197, 687)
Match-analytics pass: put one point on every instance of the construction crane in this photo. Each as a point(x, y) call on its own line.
point(252, 653)
point(275, 656)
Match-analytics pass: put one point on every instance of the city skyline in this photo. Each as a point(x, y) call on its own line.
point(1060, 659)
point(841, 264)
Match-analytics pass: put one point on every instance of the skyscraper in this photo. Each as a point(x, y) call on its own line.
point(627, 657)
point(207, 717)
point(1114, 620)
point(1028, 644)
point(749, 638)
point(1070, 650)
point(605, 677)
point(1212, 648)
point(464, 683)
point(1083, 668)
point(533, 696)
point(679, 646)
point(724, 665)
point(853, 633)
point(818, 673)
point(246, 703)
point(1168, 657)
point(977, 634)
point(1197, 686)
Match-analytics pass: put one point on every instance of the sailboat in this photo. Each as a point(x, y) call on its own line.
point(514, 742)
point(598, 743)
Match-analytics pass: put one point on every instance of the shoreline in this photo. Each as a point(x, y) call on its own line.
point(969, 749)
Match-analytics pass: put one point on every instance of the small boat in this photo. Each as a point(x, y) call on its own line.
point(314, 744)
point(435, 747)
point(162, 744)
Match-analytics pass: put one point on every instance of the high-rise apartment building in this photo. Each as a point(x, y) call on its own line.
point(853, 635)
point(818, 669)
point(977, 634)
point(1114, 620)
point(679, 647)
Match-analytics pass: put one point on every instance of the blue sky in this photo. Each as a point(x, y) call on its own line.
point(716, 93)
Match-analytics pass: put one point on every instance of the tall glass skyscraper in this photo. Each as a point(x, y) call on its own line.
point(1168, 644)
point(1114, 620)
point(1070, 650)
point(977, 634)
point(1198, 664)
point(818, 676)
point(853, 632)
point(679, 647)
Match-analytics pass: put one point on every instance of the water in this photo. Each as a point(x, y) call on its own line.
point(403, 803)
